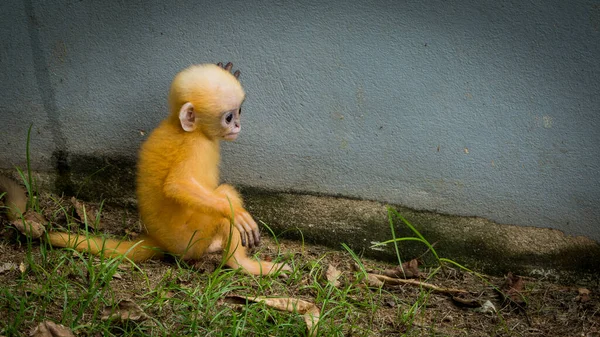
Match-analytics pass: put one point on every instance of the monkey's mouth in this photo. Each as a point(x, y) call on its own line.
point(231, 136)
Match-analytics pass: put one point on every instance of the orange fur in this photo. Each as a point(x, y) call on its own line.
point(182, 206)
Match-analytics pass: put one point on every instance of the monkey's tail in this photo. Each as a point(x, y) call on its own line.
point(139, 250)
point(15, 199)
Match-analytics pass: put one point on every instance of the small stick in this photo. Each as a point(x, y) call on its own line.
point(397, 281)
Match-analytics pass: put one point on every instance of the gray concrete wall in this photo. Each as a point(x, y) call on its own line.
point(481, 108)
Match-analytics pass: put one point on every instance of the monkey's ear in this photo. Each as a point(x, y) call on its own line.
point(187, 117)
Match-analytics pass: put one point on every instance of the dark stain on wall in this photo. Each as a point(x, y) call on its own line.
point(95, 177)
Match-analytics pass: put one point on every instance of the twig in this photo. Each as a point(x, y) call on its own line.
point(434, 288)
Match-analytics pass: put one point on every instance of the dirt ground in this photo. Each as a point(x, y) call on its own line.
point(535, 307)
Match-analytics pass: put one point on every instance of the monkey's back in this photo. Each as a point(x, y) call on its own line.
point(157, 155)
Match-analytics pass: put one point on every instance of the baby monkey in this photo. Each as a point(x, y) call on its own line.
point(183, 207)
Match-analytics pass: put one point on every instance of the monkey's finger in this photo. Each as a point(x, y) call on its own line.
point(245, 229)
point(253, 228)
point(244, 241)
point(237, 74)
point(220, 64)
point(255, 231)
point(249, 230)
point(228, 66)
point(242, 233)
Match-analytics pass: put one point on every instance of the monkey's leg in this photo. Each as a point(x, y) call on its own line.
point(236, 254)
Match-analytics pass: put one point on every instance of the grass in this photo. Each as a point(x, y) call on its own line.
point(74, 289)
point(181, 298)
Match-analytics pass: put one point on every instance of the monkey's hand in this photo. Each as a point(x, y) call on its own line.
point(241, 218)
point(228, 67)
point(248, 228)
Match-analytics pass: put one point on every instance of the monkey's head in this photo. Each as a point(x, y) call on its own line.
point(207, 99)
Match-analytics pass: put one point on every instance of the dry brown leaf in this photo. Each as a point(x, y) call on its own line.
point(31, 225)
point(51, 329)
point(309, 310)
point(487, 308)
point(332, 275)
point(583, 295)
point(126, 310)
point(373, 281)
point(513, 289)
point(409, 269)
point(125, 267)
point(85, 211)
point(22, 267)
point(8, 266)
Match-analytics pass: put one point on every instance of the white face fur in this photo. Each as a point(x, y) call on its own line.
point(230, 122)
point(228, 128)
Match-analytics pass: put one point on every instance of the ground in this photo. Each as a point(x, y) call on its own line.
point(95, 296)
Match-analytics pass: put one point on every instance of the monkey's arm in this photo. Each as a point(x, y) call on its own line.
point(192, 194)
point(230, 193)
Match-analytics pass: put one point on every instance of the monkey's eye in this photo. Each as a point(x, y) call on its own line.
point(240, 112)
point(229, 117)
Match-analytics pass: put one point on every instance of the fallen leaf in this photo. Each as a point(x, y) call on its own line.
point(374, 281)
point(22, 267)
point(487, 308)
point(390, 303)
point(117, 276)
point(124, 266)
point(51, 329)
point(8, 266)
point(31, 225)
point(84, 212)
point(409, 269)
point(126, 310)
point(513, 289)
point(309, 310)
point(332, 275)
point(583, 295)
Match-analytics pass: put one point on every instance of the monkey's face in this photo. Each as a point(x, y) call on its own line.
point(230, 124)
point(224, 125)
